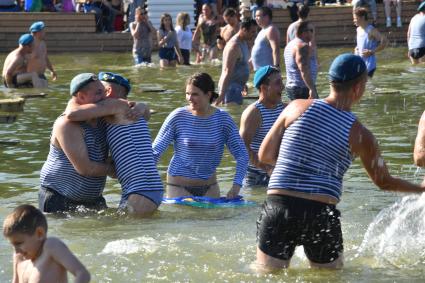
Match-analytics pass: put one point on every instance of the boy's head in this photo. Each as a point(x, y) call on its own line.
point(26, 229)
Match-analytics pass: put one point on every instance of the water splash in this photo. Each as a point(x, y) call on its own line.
point(397, 234)
point(147, 245)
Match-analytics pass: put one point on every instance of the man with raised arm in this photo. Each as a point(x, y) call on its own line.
point(74, 173)
point(311, 146)
point(130, 144)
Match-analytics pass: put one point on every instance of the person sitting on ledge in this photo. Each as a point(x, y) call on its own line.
point(15, 66)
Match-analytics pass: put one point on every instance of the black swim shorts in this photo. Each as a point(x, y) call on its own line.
point(14, 82)
point(417, 53)
point(51, 201)
point(286, 222)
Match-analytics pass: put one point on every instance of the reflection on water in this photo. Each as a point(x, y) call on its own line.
point(184, 244)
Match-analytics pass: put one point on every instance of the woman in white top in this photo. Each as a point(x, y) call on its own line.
point(184, 36)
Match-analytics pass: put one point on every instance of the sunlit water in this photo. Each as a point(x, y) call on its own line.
point(183, 244)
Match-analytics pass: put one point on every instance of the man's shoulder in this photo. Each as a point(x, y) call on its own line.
point(251, 112)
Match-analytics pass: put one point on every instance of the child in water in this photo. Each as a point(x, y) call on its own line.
point(39, 258)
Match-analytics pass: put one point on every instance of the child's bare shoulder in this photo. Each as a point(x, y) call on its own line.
point(53, 244)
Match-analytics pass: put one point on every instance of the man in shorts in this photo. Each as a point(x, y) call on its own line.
point(310, 160)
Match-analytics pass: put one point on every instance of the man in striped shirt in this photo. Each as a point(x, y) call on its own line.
point(129, 140)
point(258, 118)
point(74, 173)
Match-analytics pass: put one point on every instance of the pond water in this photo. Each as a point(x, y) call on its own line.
point(183, 244)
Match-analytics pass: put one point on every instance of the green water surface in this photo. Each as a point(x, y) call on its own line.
point(186, 244)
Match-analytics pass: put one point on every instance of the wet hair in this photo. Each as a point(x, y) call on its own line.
point(347, 85)
point(302, 27)
point(24, 219)
point(266, 11)
point(183, 20)
point(361, 13)
point(303, 11)
point(204, 82)
point(247, 24)
point(229, 12)
point(163, 17)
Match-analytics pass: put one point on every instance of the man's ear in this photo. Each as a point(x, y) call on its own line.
point(108, 90)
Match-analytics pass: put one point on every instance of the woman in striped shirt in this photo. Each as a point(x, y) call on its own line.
point(199, 132)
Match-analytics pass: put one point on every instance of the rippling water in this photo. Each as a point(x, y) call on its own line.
point(183, 244)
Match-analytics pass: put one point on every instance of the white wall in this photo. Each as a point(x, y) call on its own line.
point(158, 7)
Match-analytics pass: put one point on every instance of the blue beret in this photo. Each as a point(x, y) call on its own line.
point(80, 81)
point(421, 6)
point(115, 78)
point(37, 26)
point(262, 73)
point(26, 39)
point(346, 67)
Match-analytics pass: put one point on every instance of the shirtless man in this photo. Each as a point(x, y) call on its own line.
point(38, 258)
point(15, 66)
point(130, 145)
point(231, 18)
point(38, 60)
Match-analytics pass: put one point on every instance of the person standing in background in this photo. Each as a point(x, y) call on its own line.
point(184, 36)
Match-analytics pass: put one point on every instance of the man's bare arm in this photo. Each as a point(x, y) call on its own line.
point(70, 138)
point(231, 53)
point(106, 107)
point(274, 39)
point(302, 58)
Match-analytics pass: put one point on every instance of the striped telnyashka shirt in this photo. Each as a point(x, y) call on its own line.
point(59, 174)
point(268, 117)
point(315, 152)
point(199, 144)
point(131, 149)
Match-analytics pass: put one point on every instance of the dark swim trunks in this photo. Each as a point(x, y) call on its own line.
point(14, 82)
point(286, 222)
point(51, 201)
point(417, 53)
point(197, 191)
point(24, 85)
point(167, 54)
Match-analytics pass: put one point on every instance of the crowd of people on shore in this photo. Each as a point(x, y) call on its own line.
point(300, 151)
